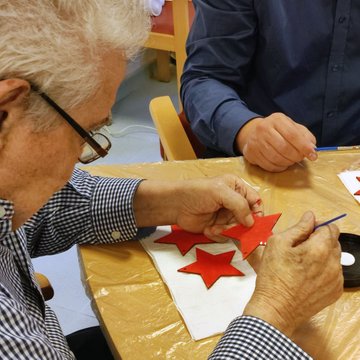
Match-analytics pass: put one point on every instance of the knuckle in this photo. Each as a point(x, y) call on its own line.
point(262, 129)
point(318, 252)
point(283, 148)
point(277, 116)
point(230, 179)
point(291, 136)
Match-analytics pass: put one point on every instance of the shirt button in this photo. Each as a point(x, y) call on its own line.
point(341, 19)
point(335, 68)
point(2, 211)
point(115, 235)
point(330, 114)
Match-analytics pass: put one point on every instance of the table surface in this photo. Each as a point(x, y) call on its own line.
point(134, 306)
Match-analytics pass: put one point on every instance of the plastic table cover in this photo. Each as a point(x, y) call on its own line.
point(134, 306)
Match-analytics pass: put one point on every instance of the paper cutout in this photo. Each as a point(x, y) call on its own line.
point(351, 180)
point(211, 267)
point(206, 312)
point(357, 192)
point(251, 237)
point(184, 240)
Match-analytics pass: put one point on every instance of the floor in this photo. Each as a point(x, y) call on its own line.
point(134, 139)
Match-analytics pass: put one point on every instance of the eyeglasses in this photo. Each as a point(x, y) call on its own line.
point(96, 144)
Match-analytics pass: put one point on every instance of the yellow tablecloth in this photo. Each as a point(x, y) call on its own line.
point(133, 304)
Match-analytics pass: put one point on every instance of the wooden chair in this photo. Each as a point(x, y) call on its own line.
point(177, 140)
point(45, 286)
point(169, 32)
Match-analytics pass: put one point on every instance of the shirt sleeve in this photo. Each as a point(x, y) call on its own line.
point(22, 337)
point(220, 48)
point(250, 338)
point(88, 210)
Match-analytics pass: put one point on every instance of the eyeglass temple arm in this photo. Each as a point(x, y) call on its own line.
point(84, 134)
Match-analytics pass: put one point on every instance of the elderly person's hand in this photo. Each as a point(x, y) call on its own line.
point(275, 142)
point(300, 274)
point(207, 205)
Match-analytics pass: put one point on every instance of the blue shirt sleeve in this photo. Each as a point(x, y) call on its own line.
point(220, 48)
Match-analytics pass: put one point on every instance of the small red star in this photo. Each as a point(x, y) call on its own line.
point(358, 192)
point(212, 267)
point(251, 237)
point(184, 240)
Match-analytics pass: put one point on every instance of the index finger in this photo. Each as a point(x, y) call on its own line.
point(239, 206)
point(252, 197)
point(297, 136)
point(329, 232)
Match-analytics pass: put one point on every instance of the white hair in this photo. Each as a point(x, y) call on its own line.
point(59, 45)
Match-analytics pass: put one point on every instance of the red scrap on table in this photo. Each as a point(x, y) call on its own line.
point(251, 237)
point(184, 240)
point(211, 267)
point(358, 192)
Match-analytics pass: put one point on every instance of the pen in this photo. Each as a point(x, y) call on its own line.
point(336, 148)
point(330, 221)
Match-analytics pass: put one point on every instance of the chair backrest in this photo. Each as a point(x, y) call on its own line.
point(170, 30)
point(173, 137)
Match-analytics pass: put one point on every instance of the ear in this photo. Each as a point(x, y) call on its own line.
point(12, 93)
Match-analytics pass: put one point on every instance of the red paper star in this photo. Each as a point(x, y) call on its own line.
point(211, 267)
point(254, 236)
point(184, 240)
point(358, 192)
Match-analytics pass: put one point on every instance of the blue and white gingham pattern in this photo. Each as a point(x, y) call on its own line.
point(249, 338)
point(87, 210)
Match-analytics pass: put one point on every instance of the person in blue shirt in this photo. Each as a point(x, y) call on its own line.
point(273, 79)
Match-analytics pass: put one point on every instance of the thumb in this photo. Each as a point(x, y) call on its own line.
point(302, 230)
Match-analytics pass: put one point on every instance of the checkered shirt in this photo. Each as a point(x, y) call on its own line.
point(89, 210)
point(249, 338)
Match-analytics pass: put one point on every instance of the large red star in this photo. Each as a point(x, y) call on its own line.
point(251, 237)
point(184, 240)
point(211, 267)
point(358, 192)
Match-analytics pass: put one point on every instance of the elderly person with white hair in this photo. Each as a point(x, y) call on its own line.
point(61, 62)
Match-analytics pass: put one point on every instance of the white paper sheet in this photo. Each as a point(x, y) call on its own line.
point(206, 312)
point(352, 184)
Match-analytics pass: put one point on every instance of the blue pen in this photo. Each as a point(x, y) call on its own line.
point(336, 148)
point(330, 221)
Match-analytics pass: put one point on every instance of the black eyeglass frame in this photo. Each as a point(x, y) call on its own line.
point(79, 129)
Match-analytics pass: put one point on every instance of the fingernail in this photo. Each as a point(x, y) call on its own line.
point(312, 156)
point(307, 216)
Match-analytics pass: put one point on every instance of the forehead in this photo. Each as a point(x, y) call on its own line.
point(98, 108)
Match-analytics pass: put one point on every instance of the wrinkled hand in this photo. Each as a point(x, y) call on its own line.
point(300, 274)
point(206, 205)
point(275, 142)
point(214, 204)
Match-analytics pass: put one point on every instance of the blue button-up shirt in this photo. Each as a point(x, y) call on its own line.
point(250, 58)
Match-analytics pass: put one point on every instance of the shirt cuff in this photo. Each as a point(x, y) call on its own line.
point(229, 119)
point(248, 337)
point(112, 211)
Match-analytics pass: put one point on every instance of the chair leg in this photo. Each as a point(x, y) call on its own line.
point(45, 286)
point(163, 65)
